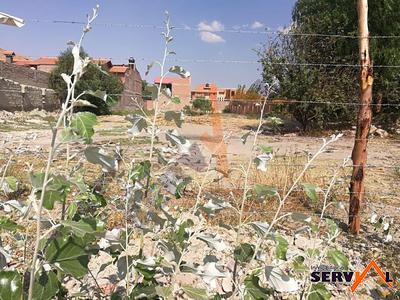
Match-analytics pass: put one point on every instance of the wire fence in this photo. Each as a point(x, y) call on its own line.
point(265, 31)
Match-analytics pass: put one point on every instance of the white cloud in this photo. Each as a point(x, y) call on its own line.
point(257, 25)
point(211, 27)
point(210, 37)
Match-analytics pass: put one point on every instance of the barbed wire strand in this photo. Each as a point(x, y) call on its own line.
point(283, 30)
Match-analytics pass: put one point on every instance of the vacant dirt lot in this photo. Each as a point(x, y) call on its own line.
point(27, 136)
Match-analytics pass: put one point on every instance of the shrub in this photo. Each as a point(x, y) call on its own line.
point(94, 79)
point(202, 105)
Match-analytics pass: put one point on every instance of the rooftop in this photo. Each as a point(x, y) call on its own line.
point(170, 80)
point(16, 57)
point(119, 69)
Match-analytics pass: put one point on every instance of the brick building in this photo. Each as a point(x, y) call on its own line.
point(179, 87)
point(211, 91)
point(128, 74)
point(45, 64)
point(130, 77)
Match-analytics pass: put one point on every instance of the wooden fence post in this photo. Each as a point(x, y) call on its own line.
point(364, 119)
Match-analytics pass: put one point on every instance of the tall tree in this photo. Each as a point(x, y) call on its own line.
point(284, 58)
point(94, 79)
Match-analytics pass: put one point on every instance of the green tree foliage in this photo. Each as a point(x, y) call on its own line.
point(202, 105)
point(94, 79)
point(334, 84)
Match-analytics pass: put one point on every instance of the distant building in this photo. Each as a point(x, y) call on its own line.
point(10, 56)
point(128, 74)
point(219, 97)
point(210, 91)
point(45, 64)
point(179, 87)
point(132, 95)
point(105, 63)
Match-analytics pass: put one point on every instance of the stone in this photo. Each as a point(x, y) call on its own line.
point(381, 133)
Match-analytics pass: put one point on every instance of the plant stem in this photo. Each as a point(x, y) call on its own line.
point(156, 107)
point(40, 207)
point(69, 100)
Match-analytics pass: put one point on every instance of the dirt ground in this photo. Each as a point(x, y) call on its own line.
point(382, 177)
point(30, 134)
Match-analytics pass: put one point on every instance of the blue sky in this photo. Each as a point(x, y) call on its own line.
point(121, 42)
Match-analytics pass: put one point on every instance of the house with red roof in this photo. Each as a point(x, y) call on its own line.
point(129, 75)
point(211, 91)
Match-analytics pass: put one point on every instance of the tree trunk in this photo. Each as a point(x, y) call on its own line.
point(364, 119)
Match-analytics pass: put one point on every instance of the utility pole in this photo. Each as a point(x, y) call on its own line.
point(364, 119)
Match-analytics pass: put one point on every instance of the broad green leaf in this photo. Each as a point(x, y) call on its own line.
point(180, 235)
point(209, 272)
point(56, 190)
point(214, 205)
point(195, 293)
point(281, 247)
point(180, 71)
point(98, 94)
point(37, 180)
point(181, 186)
point(68, 135)
point(10, 285)
point(176, 116)
point(82, 124)
point(97, 156)
point(84, 103)
point(264, 191)
point(213, 241)
point(253, 290)
point(298, 264)
point(267, 149)
point(333, 229)
point(139, 123)
point(82, 227)
point(93, 198)
point(280, 281)
point(165, 292)
point(71, 210)
point(50, 197)
point(319, 292)
point(46, 286)
point(177, 140)
point(141, 291)
point(262, 160)
point(68, 254)
point(140, 171)
point(337, 258)
point(311, 191)
point(8, 224)
point(10, 184)
point(261, 227)
point(244, 252)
